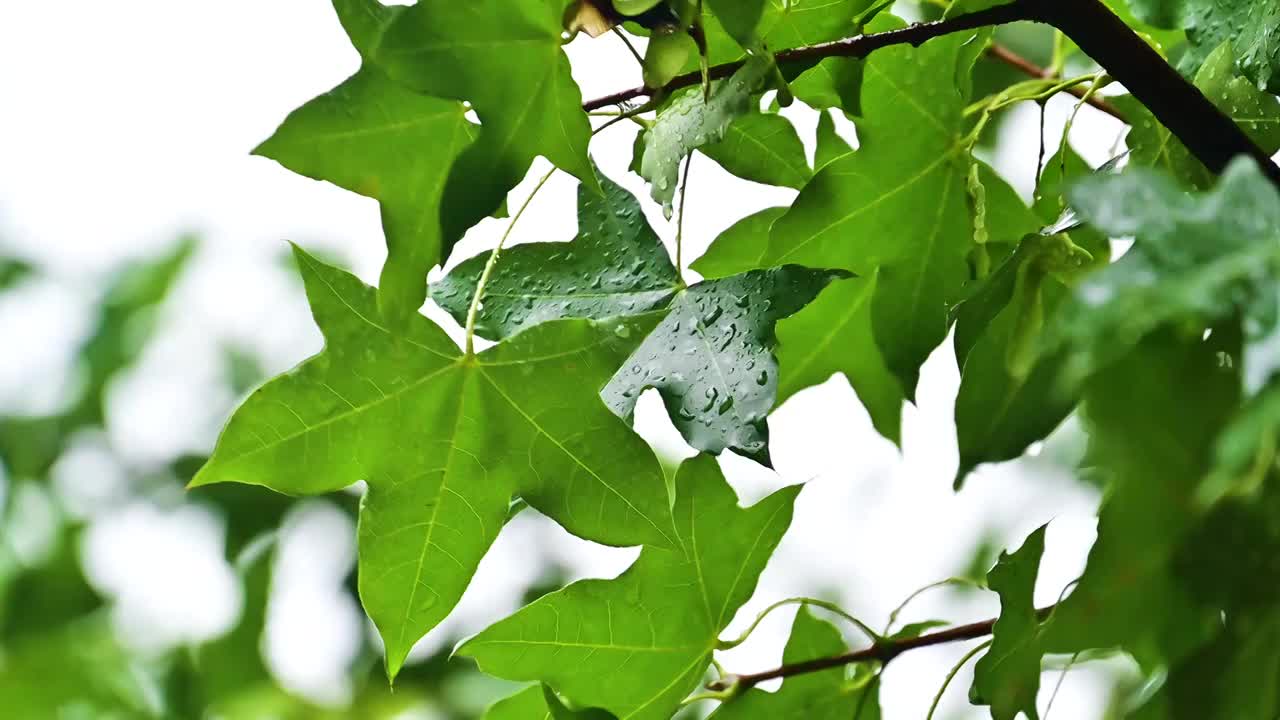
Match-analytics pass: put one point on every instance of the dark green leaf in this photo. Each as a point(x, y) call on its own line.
point(712, 358)
point(1198, 259)
point(1250, 24)
point(638, 644)
point(616, 266)
point(1256, 112)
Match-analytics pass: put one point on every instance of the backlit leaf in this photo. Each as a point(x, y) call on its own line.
point(636, 645)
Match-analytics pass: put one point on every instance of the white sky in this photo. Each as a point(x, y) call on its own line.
point(123, 124)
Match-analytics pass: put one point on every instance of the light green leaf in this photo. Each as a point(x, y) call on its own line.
point(504, 57)
point(712, 359)
point(637, 645)
point(1258, 113)
point(831, 146)
point(433, 433)
point(690, 122)
point(528, 704)
point(1007, 677)
point(741, 18)
point(1198, 259)
point(616, 266)
point(355, 137)
point(764, 148)
point(826, 695)
point(1129, 596)
point(898, 203)
point(741, 247)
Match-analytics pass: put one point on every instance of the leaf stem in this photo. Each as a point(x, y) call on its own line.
point(684, 191)
point(955, 670)
point(476, 299)
point(828, 606)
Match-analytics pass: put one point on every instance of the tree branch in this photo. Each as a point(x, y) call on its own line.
point(858, 46)
point(1207, 132)
point(881, 652)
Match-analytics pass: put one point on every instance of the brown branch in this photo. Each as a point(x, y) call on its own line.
point(858, 46)
point(881, 652)
point(1208, 133)
point(1003, 54)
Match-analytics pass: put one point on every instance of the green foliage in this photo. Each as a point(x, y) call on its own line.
point(1249, 24)
point(659, 620)
point(380, 407)
point(827, 695)
point(1168, 355)
point(691, 122)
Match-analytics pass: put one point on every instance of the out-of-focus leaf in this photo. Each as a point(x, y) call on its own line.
point(1198, 259)
point(616, 265)
point(711, 358)
point(647, 635)
point(1258, 113)
point(1007, 677)
point(1250, 24)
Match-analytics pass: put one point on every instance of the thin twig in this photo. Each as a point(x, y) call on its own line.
point(857, 46)
point(1003, 54)
point(476, 299)
point(955, 670)
point(881, 652)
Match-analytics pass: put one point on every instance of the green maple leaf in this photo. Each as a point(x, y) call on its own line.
point(711, 358)
point(504, 57)
point(826, 695)
point(1258, 113)
point(1249, 24)
point(636, 645)
point(1007, 677)
point(764, 148)
point(830, 146)
point(355, 137)
point(444, 441)
point(1198, 258)
point(898, 203)
point(691, 121)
